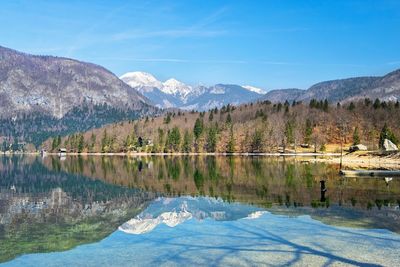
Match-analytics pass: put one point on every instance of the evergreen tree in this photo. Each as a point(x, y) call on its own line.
point(187, 142)
point(377, 104)
point(128, 143)
point(167, 119)
point(257, 141)
point(212, 139)
point(140, 142)
point(308, 132)
point(14, 146)
point(386, 133)
point(289, 133)
point(356, 137)
point(104, 142)
point(279, 107)
point(211, 116)
point(81, 143)
point(160, 138)
point(230, 148)
point(286, 109)
point(173, 139)
point(351, 106)
point(58, 140)
point(228, 119)
point(92, 142)
point(4, 146)
point(54, 144)
point(198, 128)
point(325, 106)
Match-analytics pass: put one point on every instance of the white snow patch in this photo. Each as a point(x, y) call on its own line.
point(255, 89)
point(217, 90)
point(167, 104)
point(175, 87)
point(255, 215)
point(139, 226)
point(140, 79)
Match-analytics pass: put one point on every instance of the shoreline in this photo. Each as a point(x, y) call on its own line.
point(364, 160)
point(276, 154)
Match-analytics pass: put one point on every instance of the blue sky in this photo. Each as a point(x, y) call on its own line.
point(270, 44)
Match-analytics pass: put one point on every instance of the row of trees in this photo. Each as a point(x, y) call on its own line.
point(255, 127)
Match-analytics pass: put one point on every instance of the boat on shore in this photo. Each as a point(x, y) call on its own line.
point(370, 173)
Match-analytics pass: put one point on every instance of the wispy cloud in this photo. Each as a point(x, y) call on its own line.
point(226, 61)
point(174, 60)
point(294, 29)
point(280, 63)
point(83, 38)
point(201, 28)
point(171, 33)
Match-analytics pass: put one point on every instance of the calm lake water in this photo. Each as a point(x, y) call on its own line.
point(203, 210)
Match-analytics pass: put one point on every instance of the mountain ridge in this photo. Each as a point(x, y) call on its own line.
point(42, 96)
point(55, 85)
point(173, 93)
point(386, 87)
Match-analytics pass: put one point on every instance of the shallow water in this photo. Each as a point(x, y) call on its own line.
point(119, 211)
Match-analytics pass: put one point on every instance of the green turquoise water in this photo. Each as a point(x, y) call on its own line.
point(148, 211)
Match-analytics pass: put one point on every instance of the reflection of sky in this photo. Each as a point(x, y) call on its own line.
point(271, 239)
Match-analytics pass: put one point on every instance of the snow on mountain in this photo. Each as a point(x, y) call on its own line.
point(174, 211)
point(139, 226)
point(217, 90)
point(255, 89)
point(143, 80)
point(173, 93)
point(177, 88)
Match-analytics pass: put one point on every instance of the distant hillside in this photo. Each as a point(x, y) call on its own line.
point(279, 94)
point(45, 93)
point(175, 94)
point(55, 85)
point(344, 90)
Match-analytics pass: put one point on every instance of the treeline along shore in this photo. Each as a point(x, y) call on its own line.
point(262, 127)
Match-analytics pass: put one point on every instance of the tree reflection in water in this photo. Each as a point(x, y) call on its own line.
point(82, 199)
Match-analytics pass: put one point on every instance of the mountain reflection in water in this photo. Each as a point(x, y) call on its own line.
point(285, 186)
point(43, 210)
point(52, 205)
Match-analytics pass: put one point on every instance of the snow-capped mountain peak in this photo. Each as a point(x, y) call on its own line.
point(174, 93)
point(140, 79)
point(255, 89)
point(175, 87)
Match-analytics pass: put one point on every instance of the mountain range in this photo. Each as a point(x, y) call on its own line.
point(54, 85)
point(42, 96)
point(175, 94)
point(385, 87)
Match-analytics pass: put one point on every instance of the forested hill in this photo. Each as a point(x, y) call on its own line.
point(55, 85)
point(42, 96)
point(24, 131)
point(257, 127)
point(385, 87)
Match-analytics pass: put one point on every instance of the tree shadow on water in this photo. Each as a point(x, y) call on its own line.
point(244, 247)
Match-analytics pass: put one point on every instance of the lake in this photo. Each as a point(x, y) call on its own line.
point(193, 210)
